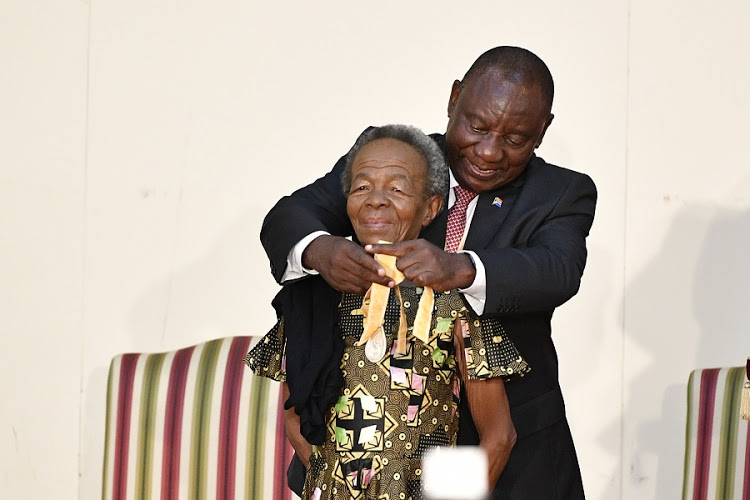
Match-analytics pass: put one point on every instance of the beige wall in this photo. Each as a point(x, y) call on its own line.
point(141, 143)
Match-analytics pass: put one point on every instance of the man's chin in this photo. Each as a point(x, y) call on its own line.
point(482, 184)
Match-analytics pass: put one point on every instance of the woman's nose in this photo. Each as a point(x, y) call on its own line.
point(377, 198)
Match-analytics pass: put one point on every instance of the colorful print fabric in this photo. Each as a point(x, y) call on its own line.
point(391, 411)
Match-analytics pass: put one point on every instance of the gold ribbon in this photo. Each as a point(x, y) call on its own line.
point(375, 303)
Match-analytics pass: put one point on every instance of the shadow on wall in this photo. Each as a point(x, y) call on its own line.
point(686, 309)
point(590, 357)
point(609, 440)
point(226, 291)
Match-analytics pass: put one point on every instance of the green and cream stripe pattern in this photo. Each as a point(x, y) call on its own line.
point(193, 424)
point(717, 445)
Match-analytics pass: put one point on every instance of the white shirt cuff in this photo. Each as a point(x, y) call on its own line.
point(476, 293)
point(294, 268)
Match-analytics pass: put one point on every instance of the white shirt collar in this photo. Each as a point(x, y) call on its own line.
point(451, 193)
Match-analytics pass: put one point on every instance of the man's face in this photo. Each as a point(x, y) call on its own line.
point(494, 126)
point(387, 199)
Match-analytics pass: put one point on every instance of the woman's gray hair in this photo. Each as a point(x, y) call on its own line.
point(437, 168)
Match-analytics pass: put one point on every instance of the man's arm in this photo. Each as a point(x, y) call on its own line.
point(543, 267)
point(320, 206)
point(535, 266)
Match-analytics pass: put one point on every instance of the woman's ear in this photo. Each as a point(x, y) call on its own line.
point(432, 207)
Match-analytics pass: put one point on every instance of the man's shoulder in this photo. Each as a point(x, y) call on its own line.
point(539, 170)
point(542, 167)
point(439, 138)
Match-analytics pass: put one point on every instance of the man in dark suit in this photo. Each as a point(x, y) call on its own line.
point(523, 254)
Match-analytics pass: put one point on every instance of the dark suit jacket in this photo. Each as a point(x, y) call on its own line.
point(533, 248)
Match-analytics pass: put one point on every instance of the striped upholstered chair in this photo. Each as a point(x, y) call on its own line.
point(717, 446)
point(194, 424)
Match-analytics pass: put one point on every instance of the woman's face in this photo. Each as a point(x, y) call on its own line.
point(387, 200)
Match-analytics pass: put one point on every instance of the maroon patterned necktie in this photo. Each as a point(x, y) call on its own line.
point(457, 218)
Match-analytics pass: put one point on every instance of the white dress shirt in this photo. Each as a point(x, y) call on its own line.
point(475, 294)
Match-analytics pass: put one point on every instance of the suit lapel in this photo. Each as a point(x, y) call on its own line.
point(485, 223)
point(488, 217)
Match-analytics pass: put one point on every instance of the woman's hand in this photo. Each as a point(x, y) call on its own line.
point(293, 434)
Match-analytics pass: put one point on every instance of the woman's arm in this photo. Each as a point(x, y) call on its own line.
point(491, 414)
point(490, 411)
point(291, 424)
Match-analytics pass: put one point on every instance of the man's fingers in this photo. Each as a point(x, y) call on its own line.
point(365, 260)
point(356, 276)
point(368, 270)
point(350, 284)
point(344, 264)
point(398, 249)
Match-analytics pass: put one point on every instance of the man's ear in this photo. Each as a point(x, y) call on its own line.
point(455, 90)
point(544, 130)
point(432, 207)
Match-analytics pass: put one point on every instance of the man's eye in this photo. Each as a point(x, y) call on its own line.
point(477, 129)
point(515, 141)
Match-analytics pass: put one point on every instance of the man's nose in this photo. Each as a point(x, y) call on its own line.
point(489, 150)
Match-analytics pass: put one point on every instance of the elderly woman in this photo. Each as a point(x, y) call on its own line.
point(405, 353)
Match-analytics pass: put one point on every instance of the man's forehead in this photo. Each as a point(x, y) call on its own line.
point(493, 92)
point(495, 80)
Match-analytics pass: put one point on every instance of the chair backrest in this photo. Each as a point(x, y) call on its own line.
point(717, 442)
point(194, 424)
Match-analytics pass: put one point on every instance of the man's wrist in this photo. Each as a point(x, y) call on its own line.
point(294, 267)
point(476, 292)
point(467, 271)
point(310, 254)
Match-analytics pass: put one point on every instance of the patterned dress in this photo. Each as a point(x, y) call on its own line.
point(390, 412)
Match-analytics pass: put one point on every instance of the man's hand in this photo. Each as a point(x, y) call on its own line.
point(344, 264)
point(424, 264)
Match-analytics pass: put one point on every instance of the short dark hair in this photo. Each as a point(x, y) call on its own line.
point(517, 64)
point(437, 168)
